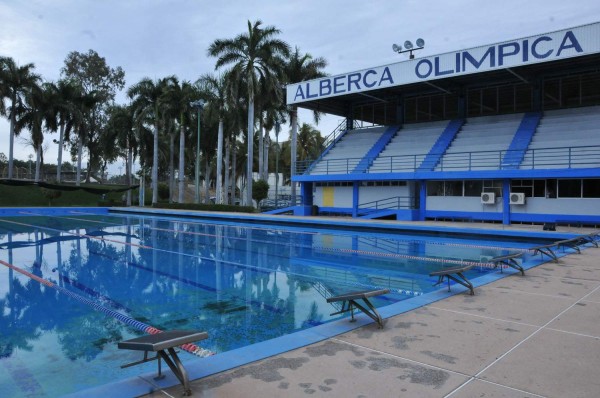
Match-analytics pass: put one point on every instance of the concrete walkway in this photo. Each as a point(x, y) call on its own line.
point(531, 336)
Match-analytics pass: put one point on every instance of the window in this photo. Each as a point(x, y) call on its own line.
point(522, 186)
point(473, 187)
point(453, 188)
point(591, 188)
point(569, 188)
point(494, 186)
point(435, 188)
point(539, 188)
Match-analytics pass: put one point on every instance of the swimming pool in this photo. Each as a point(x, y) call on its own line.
point(91, 280)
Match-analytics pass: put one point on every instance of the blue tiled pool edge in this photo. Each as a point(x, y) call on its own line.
point(204, 367)
point(199, 368)
point(342, 223)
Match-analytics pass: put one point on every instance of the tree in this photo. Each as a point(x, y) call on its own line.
point(147, 96)
point(300, 68)
point(91, 72)
point(260, 190)
point(310, 142)
point(38, 112)
point(254, 55)
point(15, 82)
point(178, 98)
point(122, 126)
point(65, 94)
point(215, 89)
point(83, 106)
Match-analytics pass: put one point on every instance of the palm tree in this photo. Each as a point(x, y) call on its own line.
point(15, 82)
point(122, 128)
point(178, 99)
point(147, 101)
point(300, 68)
point(38, 103)
point(65, 93)
point(310, 142)
point(215, 89)
point(83, 107)
point(255, 55)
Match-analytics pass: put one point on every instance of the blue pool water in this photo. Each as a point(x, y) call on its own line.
point(242, 283)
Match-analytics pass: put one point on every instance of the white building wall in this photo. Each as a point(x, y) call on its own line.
point(369, 194)
point(462, 203)
point(576, 206)
point(342, 196)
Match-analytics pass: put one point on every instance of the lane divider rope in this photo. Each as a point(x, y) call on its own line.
point(190, 347)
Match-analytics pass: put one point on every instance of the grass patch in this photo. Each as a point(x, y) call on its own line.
point(33, 196)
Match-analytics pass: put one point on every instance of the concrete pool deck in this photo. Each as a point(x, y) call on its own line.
point(536, 335)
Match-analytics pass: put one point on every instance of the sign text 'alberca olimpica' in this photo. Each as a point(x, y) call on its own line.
point(582, 40)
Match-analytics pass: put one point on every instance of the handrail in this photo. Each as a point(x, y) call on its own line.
point(393, 203)
point(279, 203)
point(340, 129)
point(538, 158)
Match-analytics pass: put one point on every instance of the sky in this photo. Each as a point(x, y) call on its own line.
point(159, 38)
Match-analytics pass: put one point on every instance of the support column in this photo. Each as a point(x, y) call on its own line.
point(422, 199)
point(400, 111)
point(355, 196)
point(506, 202)
point(306, 192)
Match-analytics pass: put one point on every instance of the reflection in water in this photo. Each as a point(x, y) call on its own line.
point(240, 284)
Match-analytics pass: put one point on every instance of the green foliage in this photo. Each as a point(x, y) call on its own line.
point(31, 195)
point(92, 72)
point(51, 194)
point(163, 191)
point(260, 190)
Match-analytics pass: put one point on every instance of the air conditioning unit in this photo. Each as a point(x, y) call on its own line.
point(517, 198)
point(488, 198)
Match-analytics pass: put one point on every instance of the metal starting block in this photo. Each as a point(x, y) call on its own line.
point(164, 345)
point(349, 303)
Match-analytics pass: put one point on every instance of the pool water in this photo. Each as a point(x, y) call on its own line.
point(242, 283)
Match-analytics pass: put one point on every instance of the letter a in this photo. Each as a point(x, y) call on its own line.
point(574, 43)
point(299, 93)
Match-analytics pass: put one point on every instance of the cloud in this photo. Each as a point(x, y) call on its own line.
point(160, 38)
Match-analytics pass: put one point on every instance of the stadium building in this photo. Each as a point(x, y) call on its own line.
point(508, 132)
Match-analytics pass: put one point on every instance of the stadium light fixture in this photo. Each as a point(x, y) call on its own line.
point(409, 47)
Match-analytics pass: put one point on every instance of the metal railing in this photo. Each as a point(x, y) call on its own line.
point(393, 203)
point(279, 203)
point(541, 158)
point(339, 130)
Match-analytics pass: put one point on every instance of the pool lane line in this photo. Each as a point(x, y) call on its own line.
point(371, 253)
point(175, 219)
point(410, 257)
point(345, 234)
point(267, 270)
point(202, 286)
point(401, 291)
point(191, 348)
point(375, 254)
point(363, 285)
point(76, 234)
point(92, 292)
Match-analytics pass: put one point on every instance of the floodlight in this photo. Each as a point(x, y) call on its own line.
point(396, 47)
point(420, 42)
point(408, 45)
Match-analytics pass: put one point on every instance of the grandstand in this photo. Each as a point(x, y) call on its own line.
point(508, 132)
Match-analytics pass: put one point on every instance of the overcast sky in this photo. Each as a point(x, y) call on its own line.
point(154, 38)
